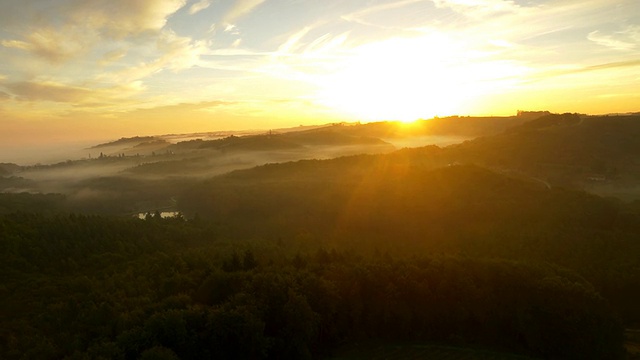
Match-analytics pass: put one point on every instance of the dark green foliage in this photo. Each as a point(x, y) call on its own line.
point(25, 202)
point(158, 353)
point(96, 287)
point(400, 203)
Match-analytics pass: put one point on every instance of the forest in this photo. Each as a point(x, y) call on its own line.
point(522, 243)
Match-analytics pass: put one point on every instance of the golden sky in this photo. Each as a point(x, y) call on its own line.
point(95, 69)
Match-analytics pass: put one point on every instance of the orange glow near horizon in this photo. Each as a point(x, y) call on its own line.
point(81, 71)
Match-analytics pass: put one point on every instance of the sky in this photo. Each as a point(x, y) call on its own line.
point(75, 70)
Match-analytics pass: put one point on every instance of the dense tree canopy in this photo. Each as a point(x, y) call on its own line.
point(89, 287)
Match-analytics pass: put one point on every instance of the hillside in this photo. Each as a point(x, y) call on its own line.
point(8, 169)
point(126, 142)
point(595, 153)
point(404, 204)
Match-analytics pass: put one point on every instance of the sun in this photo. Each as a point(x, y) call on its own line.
point(411, 78)
point(407, 123)
point(398, 79)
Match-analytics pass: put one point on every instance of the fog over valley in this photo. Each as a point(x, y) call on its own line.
point(63, 166)
point(151, 170)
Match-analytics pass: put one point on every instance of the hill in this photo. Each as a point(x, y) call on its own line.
point(132, 141)
point(595, 153)
point(404, 203)
point(8, 168)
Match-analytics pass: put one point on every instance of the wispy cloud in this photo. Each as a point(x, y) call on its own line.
point(116, 17)
point(478, 8)
point(121, 18)
point(125, 41)
point(236, 43)
point(15, 44)
point(179, 52)
point(568, 70)
point(232, 29)
point(51, 44)
point(174, 53)
point(71, 29)
point(199, 6)
point(293, 41)
point(358, 15)
point(240, 9)
point(625, 40)
point(612, 65)
point(113, 55)
point(34, 91)
point(48, 91)
point(183, 107)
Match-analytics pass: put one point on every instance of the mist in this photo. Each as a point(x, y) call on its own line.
point(147, 173)
point(45, 153)
point(425, 140)
point(143, 174)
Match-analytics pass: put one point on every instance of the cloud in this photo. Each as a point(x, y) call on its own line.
point(15, 44)
point(237, 60)
point(103, 51)
point(112, 56)
point(293, 42)
point(183, 107)
point(478, 8)
point(121, 18)
point(240, 9)
point(199, 6)
point(49, 91)
point(179, 52)
point(612, 65)
point(384, 7)
point(625, 40)
point(51, 44)
point(35, 91)
point(359, 15)
point(231, 28)
point(4, 96)
point(61, 30)
point(175, 53)
point(493, 5)
point(114, 17)
point(549, 74)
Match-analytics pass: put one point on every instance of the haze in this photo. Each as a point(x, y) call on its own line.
point(76, 71)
